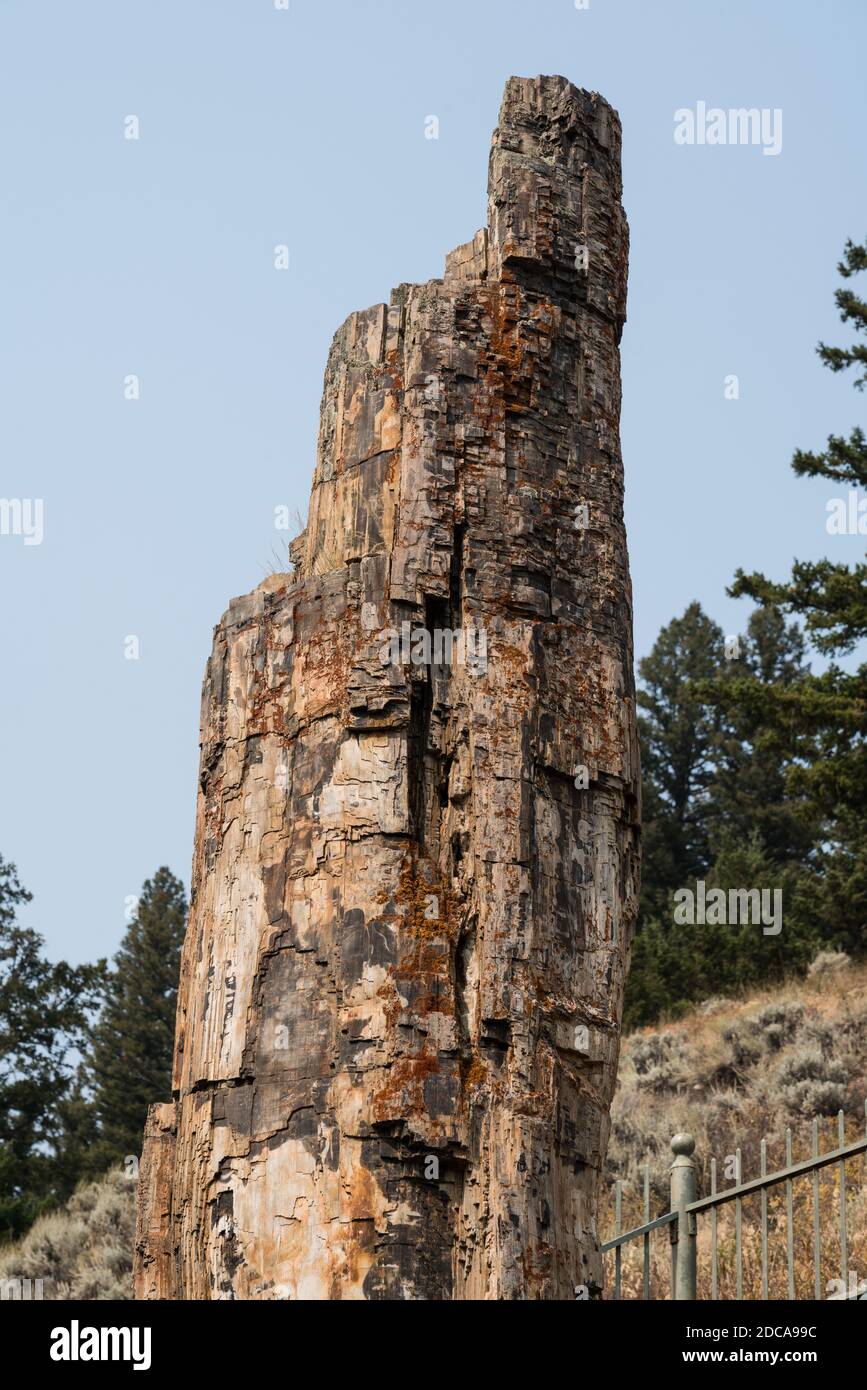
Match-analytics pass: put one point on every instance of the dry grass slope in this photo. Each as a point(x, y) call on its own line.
point(731, 1074)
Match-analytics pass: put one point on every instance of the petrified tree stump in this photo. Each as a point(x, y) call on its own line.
point(415, 870)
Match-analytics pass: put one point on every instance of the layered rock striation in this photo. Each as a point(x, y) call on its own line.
point(416, 857)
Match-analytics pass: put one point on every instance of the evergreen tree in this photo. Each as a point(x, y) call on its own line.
point(679, 744)
point(45, 1012)
point(130, 1060)
point(713, 785)
point(755, 773)
point(822, 718)
point(749, 794)
point(677, 964)
point(852, 310)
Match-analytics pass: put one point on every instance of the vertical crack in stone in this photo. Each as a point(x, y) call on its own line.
point(401, 987)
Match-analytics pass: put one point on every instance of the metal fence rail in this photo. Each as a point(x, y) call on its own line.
point(686, 1207)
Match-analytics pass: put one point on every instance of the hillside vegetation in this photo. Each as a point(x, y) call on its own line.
point(82, 1250)
point(731, 1073)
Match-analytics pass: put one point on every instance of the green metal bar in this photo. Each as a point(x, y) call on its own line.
point(764, 1171)
point(673, 1245)
point(685, 1230)
point(790, 1227)
point(797, 1170)
point(817, 1231)
point(618, 1208)
point(666, 1220)
point(713, 1233)
point(844, 1252)
point(682, 1194)
point(646, 1276)
point(739, 1262)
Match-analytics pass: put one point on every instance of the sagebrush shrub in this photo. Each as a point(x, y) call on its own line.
point(84, 1250)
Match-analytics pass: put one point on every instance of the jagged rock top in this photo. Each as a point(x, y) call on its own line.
point(553, 185)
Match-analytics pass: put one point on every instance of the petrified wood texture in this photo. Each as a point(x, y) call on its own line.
point(402, 981)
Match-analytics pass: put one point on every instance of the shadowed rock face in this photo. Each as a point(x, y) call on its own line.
point(402, 980)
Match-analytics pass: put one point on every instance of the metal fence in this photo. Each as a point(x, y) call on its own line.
point(686, 1208)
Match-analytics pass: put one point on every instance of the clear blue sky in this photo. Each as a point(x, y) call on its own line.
point(155, 257)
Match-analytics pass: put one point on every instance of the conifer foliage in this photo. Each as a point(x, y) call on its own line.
point(130, 1060)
